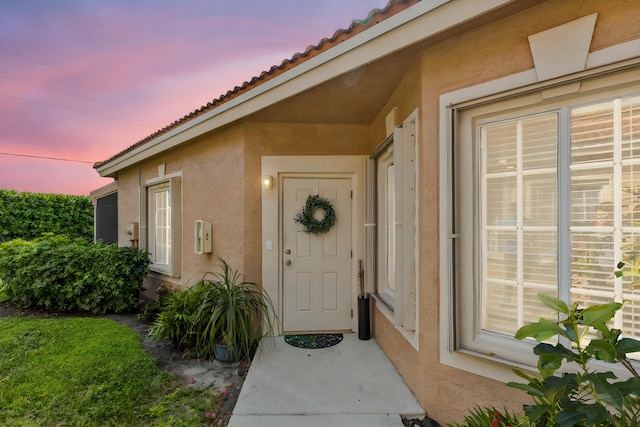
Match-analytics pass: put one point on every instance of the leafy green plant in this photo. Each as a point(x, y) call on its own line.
point(4, 296)
point(59, 274)
point(152, 309)
point(491, 417)
point(586, 396)
point(221, 309)
point(176, 316)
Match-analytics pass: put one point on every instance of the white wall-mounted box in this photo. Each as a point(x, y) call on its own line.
point(202, 233)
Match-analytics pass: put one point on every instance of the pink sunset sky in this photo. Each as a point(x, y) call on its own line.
point(81, 80)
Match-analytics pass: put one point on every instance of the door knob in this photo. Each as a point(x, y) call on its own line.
point(287, 262)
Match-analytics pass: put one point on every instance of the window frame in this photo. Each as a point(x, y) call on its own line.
point(152, 192)
point(512, 100)
point(385, 239)
point(401, 307)
point(173, 185)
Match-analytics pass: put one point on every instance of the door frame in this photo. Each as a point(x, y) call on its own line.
point(279, 167)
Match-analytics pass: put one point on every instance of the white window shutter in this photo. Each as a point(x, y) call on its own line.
point(176, 226)
point(405, 244)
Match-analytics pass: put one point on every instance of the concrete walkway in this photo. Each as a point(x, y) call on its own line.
point(350, 384)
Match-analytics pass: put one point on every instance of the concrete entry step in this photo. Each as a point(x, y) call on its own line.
point(352, 383)
point(316, 420)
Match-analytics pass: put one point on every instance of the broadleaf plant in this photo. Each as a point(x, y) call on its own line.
point(584, 396)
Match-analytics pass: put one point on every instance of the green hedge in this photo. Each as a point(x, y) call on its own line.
point(60, 274)
point(29, 215)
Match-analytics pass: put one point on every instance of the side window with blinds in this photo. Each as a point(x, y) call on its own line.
point(605, 202)
point(556, 206)
point(519, 211)
point(165, 227)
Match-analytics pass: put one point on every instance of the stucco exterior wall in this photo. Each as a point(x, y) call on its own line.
point(221, 184)
point(212, 183)
point(480, 55)
point(127, 204)
point(406, 98)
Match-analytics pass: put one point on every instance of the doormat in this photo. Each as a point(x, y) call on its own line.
point(313, 340)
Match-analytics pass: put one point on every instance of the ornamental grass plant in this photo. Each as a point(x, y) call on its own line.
point(222, 308)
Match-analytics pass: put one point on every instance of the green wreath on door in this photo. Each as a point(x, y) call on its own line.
point(309, 222)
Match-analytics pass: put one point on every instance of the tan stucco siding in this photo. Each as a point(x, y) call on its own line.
point(406, 98)
point(484, 54)
point(127, 203)
point(212, 190)
point(221, 184)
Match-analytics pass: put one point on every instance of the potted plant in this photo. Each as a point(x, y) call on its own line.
point(234, 314)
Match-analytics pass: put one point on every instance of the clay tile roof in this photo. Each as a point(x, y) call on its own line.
point(357, 26)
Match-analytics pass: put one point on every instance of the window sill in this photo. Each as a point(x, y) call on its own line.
point(484, 365)
point(410, 336)
point(163, 273)
point(383, 307)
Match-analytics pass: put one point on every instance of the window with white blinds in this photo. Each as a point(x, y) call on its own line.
point(165, 226)
point(605, 199)
point(162, 226)
point(520, 211)
point(571, 174)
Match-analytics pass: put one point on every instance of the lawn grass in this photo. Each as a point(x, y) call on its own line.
point(90, 372)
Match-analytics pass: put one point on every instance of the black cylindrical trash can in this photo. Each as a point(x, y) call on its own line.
point(364, 324)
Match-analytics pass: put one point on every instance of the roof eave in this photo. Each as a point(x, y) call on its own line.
point(416, 23)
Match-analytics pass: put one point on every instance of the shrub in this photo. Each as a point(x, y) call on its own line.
point(29, 215)
point(3, 292)
point(60, 274)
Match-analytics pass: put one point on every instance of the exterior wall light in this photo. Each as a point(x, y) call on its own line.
point(267, 182)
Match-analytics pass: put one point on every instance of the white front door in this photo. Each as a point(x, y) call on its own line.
point(316, 270)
